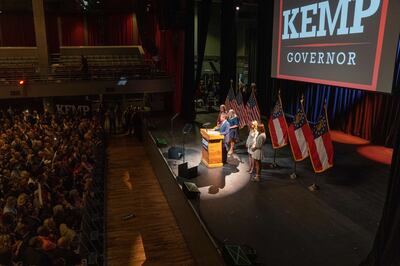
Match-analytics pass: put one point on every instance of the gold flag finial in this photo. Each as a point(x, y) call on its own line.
point(253, 87)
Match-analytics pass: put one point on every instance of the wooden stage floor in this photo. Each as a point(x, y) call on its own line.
point(152, 236)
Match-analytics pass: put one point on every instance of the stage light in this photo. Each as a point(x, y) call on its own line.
point(237, 8)
point(21, 82)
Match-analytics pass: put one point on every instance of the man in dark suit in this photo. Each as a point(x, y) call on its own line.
point(224, 130)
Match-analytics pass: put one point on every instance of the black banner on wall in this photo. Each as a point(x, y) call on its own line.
point(72, 105)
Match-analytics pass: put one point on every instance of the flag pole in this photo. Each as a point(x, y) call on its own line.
point(314, 187)
point(274, 164)
point(294, 174)
point(253, 88)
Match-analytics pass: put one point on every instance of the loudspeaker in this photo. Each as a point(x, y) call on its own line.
point(175, 153)
point(191, 191)
point(184, 171)
point(191, 172)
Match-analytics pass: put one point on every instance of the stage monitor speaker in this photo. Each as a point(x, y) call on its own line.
point(161, 142)
point(191, 191)
point(185, 172)
point(234, 255)
point(175, 153)
point(182, 169)
point(191, 172)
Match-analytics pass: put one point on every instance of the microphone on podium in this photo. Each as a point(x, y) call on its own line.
point(206, 125)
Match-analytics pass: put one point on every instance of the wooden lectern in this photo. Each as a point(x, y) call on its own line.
point(211, 153)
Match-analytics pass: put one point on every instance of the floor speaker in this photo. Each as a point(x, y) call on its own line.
point(191, 190)
point(184, 171)
point(191, 172)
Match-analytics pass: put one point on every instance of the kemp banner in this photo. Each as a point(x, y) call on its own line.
point(346, 43)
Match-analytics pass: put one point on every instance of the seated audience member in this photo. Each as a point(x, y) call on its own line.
point(47, 164)
point(64, 251)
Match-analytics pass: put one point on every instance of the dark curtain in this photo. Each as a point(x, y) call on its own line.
point(375, 117)
point(264, 47)
point(252, 44)
point(396, 79)
point(170, 44)
point(53, 43)
point(110, 29)
point(17, 30)
point(228, 47)
point(119, 30)
point(188, 89)
point(147, 27)
point(203, 20)
point(72, 31)
point(96, 30)
point(385, 251)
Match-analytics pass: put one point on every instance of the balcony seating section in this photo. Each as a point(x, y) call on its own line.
point(18, 67)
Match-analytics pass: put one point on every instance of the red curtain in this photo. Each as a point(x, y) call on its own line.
point(17, 30)
point(119, 29)
point(375, 117)
point(170, 44)
point(53, 43)
point(95, 29)
point(72, 31)
point(112, 29)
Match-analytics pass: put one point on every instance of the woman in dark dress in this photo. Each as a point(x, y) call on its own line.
point(234, 130)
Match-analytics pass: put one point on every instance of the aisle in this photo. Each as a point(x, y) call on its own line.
point(152, 236)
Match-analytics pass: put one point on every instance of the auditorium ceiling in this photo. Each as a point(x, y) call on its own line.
point(69, 6)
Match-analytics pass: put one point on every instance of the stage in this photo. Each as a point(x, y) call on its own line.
point(279, 217)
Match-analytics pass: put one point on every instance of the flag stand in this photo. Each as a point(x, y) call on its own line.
point(274, 164)
point(294, 174)
point(314, 187)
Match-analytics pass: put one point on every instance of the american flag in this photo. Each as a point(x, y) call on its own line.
point(241, 111)
point(277, 125)
point(299, 133)
point(321, 148)
point(253, 111)
point(230, 101)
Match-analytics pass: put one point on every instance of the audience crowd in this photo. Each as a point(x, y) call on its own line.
point(46, 176)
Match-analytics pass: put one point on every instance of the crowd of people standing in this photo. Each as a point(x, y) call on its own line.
point(114, 119)
point(47, 163)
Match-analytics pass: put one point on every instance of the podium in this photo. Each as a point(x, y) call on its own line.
point(211, 152)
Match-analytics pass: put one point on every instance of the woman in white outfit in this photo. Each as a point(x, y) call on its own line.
point(257, 150)
point(251, 139)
